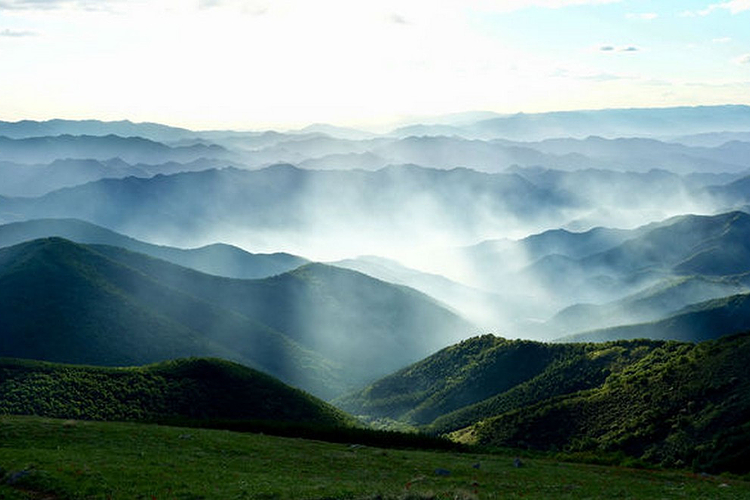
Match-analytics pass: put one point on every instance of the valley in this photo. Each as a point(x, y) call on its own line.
point(494, 289)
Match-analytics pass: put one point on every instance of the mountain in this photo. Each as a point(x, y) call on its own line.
point(334, 131)
point(684, 246)
point(29, 128)
point(629, 122)
point(667, 403)
point(639, 154)
point(711, 139)
point(66, 302)
point(665, 298)
point(318, 327)
point(218, 259)
point(132, 150)
point(36, 180)
point(281, 203)
point(695, 323)
point(345, 161)
point(482, 308)
point(364, 327)
point(190, 389)
point(681, 404)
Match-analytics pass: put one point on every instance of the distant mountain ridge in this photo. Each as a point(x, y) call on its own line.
point(34, 150)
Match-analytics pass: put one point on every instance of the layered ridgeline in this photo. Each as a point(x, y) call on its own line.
point(218, 259)
point(320, 328)
point(664, 402)
point(191, 389)
point(605, 278)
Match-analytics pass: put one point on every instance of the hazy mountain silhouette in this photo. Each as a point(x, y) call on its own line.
point(405, 199)
point(218, 259)
point(320, 328)
point(132, 150)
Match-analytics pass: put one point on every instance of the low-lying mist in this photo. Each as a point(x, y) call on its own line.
point(488, 246)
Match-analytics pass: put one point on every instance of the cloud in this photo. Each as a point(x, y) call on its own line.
point(252, 7)
point(16, 33)
point(549, 4)
point(397, 19)
point(724, 39)
point(605, 77)
point(512, 5)
point(644, 16)
point(622, 48)
point(55, 4)
point(743, 59)
point(733, 6)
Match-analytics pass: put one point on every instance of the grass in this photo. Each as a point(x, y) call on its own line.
point(56, 459)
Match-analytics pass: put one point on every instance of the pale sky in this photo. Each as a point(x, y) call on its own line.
point(254, 64)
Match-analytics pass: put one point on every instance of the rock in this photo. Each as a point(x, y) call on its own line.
point(517, 462)
point(442, 472)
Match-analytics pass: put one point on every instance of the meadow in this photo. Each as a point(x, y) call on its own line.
point(65, 459)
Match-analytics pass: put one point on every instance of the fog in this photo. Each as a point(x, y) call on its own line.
point(522, 239)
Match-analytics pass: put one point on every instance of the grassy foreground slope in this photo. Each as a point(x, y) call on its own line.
point(42, 458)
point(181, 389)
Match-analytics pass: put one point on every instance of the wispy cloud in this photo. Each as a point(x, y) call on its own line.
point(252, 7)
point(511, 5)
point(724, 39)
point(56, 4)
point(733, 6)
point(621, 48)
point(605, 77)
point(398, 19)
point(17, 33)
point(643, 16)
point(743, 59)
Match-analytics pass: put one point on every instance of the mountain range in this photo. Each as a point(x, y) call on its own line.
point(361, 267)
point(317, 327)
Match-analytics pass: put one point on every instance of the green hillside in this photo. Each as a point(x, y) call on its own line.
point(664, 402)
point(682, 404)
point(484, 376)
point(195, 388)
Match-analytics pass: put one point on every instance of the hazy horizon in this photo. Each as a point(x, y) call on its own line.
point(254, 64)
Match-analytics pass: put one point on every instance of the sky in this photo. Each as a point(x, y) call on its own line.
point(372, 64)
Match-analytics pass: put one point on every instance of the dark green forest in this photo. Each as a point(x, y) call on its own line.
point(187, 389)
